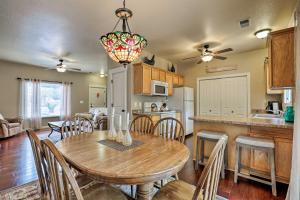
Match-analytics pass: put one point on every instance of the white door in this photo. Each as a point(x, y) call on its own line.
point(224, 96)
point(97, 96)
point(234, 96)
point(118, 85)
point(209, 97)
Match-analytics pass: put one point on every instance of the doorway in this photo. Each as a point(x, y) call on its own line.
point(118, 92)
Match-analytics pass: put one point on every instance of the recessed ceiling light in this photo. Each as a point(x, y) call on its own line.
point(263, 33)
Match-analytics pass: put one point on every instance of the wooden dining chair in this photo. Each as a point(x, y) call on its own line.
point(208, 182)
point(39, 160)
point(170, 128)
point(76, 126)
point(64, 185)
point(142, 124)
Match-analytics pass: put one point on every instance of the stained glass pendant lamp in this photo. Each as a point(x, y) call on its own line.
point(123, 46)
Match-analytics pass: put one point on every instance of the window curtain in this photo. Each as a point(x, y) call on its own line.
point(30, 103)
point(294, 187)
point(65, 112)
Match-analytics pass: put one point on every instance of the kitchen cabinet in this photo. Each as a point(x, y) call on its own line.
point(180, 80)
point(283, 152)
point(144, 74)
point(267, 75)
point(281, 73)
point(169, 80)
point(155, 73)
point(175, 79)
point(142, 79)
point(162, 75)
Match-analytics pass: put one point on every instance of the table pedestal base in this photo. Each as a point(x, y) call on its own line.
point(145, 191)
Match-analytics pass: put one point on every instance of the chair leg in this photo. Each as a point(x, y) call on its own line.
point(131, 188)
point(237, 161)
point(273, 179)
point(202, 151)
point(197, 154)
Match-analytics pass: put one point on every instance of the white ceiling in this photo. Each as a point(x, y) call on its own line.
point(34, 30)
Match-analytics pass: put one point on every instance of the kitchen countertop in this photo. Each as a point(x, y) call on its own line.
point(247, 121)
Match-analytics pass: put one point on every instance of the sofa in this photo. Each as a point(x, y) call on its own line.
point(10, 127)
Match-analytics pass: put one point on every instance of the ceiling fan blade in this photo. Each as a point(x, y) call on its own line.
point(220, 57)
point(73, 69)
point(223, 51)
point(190, 58)
point(199, 62)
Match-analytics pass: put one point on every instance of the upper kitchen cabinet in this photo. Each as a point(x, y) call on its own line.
point(144, 74)
point(281, 69)
point(142, 79)
point(162, 75)
point(169, 80)
point(154, 73)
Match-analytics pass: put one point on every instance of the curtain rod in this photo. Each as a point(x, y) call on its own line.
point(42, 80)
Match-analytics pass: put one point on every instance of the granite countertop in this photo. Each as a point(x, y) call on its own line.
point(247, 121)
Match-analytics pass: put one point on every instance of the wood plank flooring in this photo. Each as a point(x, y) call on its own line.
point(17, 168)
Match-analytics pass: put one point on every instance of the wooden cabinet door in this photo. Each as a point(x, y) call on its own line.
point(283, 158)
point(180, 80)
point(281, 58)
point(175, 79)
point(146, 79)
point(155, 74)
point(169, 80)
point(162, 75)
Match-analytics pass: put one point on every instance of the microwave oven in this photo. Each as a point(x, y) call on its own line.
point(159, 88)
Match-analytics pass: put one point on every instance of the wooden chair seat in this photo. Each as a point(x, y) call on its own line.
point(176, 190)
point(101, 191)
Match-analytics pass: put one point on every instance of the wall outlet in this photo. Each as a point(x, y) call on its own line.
point(81, 102)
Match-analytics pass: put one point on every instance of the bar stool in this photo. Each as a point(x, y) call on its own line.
point(213, 136)
point(261, 144)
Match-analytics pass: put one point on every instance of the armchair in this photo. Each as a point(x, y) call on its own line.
point(10, 127)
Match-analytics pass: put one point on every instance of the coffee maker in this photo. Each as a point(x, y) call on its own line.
point(273, 107)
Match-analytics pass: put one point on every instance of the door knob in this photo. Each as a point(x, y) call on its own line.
point(123, 110)
point(232, 111)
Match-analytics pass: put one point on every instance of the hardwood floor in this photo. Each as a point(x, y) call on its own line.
point(17, 168)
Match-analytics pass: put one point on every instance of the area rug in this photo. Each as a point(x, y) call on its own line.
point(31, 191)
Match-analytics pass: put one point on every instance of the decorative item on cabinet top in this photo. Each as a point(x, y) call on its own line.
point(150, 61)
point(144, 74)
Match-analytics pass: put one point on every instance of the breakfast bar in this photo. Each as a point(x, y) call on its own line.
point(270, 128)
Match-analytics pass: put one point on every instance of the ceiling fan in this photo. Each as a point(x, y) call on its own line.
point(207, 55)
point(61, 67)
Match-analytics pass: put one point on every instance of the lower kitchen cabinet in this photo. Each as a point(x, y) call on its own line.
point(283, 152)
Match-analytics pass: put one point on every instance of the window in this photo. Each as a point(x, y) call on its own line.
point(287, 95)
point(51, 98)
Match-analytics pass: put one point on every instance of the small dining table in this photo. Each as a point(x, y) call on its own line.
point(155, 159)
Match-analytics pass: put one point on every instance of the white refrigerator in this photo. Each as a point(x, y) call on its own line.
point(183, 100)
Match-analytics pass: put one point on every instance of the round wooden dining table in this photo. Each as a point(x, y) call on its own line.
point(155, 159)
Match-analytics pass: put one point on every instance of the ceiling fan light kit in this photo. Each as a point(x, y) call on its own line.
point(61, 69)
point(123, 46)
point(207, 58)
point(263, 33)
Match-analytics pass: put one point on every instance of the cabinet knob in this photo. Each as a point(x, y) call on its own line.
point(209, 110)
point(232, 111)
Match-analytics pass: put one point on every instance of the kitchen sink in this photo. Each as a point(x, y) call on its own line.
point(266, 116)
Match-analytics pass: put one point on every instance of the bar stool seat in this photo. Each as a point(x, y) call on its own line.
point(210, 135)
point(257, 142)
point(266, 145)
point(213, 136)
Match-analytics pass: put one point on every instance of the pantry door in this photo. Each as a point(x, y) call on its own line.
point(224, 96)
